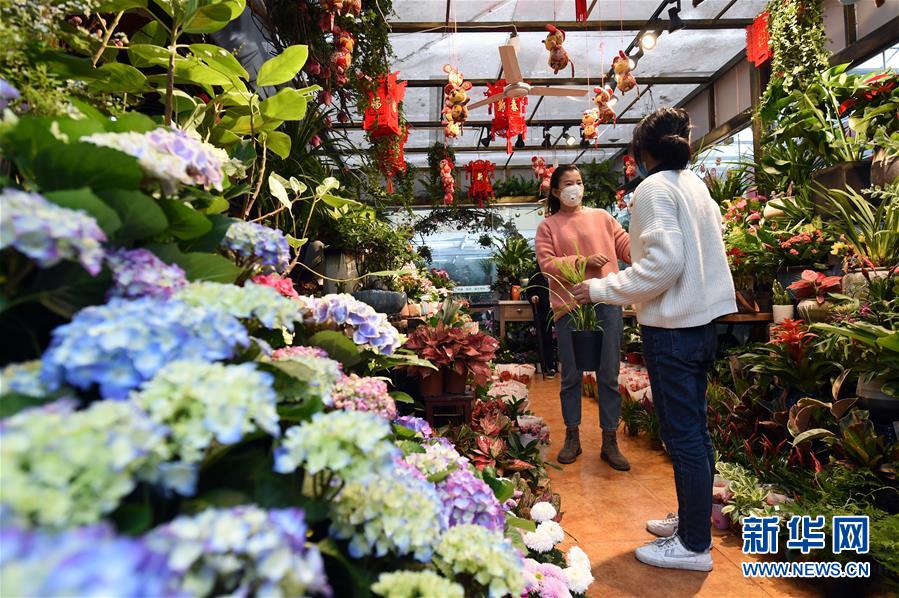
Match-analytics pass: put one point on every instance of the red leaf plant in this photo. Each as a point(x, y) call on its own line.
point(460, 349)
point(815, 284)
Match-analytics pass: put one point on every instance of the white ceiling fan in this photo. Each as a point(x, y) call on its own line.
point(515, 85)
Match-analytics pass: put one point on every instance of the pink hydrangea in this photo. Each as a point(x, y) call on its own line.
point(355, 393)
point(288, 352)
point(282, 285)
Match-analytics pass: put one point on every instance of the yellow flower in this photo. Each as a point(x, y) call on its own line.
point(838, 247)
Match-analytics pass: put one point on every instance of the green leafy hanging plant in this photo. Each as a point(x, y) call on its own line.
point(796, 30)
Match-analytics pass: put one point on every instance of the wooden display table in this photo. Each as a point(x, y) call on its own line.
point(513, 311)
point(458, 406)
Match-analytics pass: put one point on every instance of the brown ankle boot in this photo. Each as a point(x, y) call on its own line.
point(610, 452)
point(572, 446)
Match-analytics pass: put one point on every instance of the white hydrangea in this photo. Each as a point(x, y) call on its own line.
point(543, 511)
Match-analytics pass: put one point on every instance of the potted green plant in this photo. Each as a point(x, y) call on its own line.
point(782, 306)
point(514, 259)
point(632, 345)
point(812, 290)
point(586, 331)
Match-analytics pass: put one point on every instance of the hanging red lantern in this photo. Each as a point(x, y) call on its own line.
point(758, 51)
point(479, 174)
point(382, 116)
point(508, 115)
point(580, 10)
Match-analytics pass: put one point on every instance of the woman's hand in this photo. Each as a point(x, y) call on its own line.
point(597, 261)
point(581, 292)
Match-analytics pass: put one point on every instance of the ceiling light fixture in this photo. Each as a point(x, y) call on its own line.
point(569, 140)
point(648, 40)
point(675, 23)
point(485, 141)
point(547, 141)
point(520, 143)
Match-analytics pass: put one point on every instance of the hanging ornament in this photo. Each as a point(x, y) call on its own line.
point(623, 75)
point(389, 152)
point(619, 196)
point(448, 180)
point(630, 167)
point(542, 173)
point(479, 174)
point(342, 58)
point(580, 10)
point(508, 115)
point(455, 104)
point(558, 56)
point(382, 115)
point(589, 124)
point(758, 52)
point(602, 100)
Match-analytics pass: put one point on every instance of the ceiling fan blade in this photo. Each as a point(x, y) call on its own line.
point(558, 91)
point(511, 71)
point(485, 101)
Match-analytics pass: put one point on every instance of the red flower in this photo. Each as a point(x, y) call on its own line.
point(794, 335)
point(282, 285)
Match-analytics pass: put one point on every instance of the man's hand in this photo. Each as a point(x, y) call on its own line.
point(597, 261)
point(581, 292)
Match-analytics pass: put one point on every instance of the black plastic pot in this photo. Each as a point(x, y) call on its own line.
point(587, 349)
point(385, 302)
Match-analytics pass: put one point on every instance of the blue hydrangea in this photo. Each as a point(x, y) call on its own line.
point(356, 319)
point(8, 94)
point(251, 242)
point(88, 562)
point(395, 512)
point(24, 379)
point(249, 302)
point(48, 233)
point(416, 424)
point(242, 551)
point(468, 499)
point(139, 273)
point(122, 344)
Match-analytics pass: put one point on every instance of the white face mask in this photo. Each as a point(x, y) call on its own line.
point(571, 196)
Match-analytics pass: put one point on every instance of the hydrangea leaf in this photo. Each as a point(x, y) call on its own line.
point(83, 199)
point(141, 216)
point(338, 346)
point(184, 221)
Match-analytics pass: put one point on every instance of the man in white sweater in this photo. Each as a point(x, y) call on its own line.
point(679, 283)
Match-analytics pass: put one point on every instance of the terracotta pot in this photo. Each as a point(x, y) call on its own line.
point(431, 386)
point(454, 383)
point(515, 293)
point(414, 310)
point(812, 311)
point(782, 312)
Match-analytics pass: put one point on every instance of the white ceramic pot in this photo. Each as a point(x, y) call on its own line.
point(782, 312)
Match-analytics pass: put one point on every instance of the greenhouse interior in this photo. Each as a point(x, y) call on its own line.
point(424, 299)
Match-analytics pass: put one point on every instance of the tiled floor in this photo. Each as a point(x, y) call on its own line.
point(606, 510)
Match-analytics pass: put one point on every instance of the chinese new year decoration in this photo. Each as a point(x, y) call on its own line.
point(619, 196)
point(630, 167)
point(542, 173)
point(558, 56)
point(382, 117)
point(508, 115)
point(589, 122)
point(580, 10)
point(342, 58)
point(390, 155)
point(479, 174)
point(455, 105)
point(448, 180)
point(758, 52)
point(601, 99)
point(624, 78)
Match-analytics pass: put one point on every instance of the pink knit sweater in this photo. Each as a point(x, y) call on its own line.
point(564, 236)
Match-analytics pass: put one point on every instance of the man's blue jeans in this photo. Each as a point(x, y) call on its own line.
point(679, 361)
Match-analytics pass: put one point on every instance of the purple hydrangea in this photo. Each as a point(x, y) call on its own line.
point(86, 562)
point(358, 320)
point(139, 273)
point(242, 551)
point(299, 351)
point(416, 424)
point(122, 344)
point(48, 233)
point(8, 94)
point(468, 499)
point(252, 241)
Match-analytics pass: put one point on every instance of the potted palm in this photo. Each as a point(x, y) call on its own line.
point(811, 290)
point(782, 307)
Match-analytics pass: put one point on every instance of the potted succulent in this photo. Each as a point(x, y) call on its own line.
point(812, 290)
point(782, 306)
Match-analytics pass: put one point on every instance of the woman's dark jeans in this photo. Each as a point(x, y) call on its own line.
point(679, 361)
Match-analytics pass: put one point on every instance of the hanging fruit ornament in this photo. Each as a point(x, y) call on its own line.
point(448, 180)
point(542, 173)
point(479, 174)
point(455, 104)
point(625, 79)
point(601, 99)
point(619, 197)
point(558, 56)
point(342, 58)
point(589, 122)
point(630, 167)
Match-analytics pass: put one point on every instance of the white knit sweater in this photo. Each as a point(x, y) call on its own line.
point(680, 277)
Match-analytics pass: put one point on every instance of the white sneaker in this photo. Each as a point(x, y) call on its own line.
point(663, 528)
point(670, 553)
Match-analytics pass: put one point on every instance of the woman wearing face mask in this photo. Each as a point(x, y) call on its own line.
point(571, 233)
point(679, 283)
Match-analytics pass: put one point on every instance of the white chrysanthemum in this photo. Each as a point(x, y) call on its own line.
point(543, 511)
point(576, 557)
point(578, 578)
point(539, 541)
point(553, 530)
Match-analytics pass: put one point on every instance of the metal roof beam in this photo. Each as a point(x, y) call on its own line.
point(499, 145)
point(473, 124)
point(687, 79)
point(531, 26)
